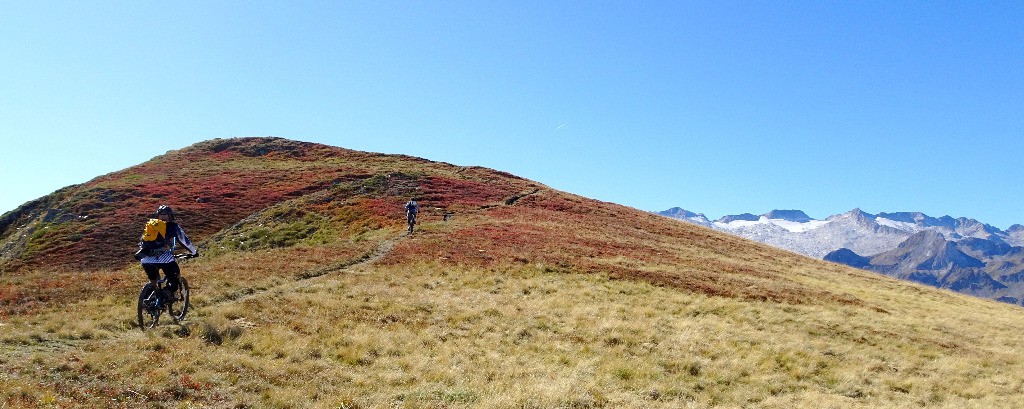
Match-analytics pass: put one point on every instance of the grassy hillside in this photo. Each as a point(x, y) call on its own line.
point(311, 295)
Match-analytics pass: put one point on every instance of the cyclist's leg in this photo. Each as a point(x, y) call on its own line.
point(152, 273)
point(173, 274)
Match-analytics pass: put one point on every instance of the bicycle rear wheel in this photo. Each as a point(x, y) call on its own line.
point(179, 308)
point(148, 313)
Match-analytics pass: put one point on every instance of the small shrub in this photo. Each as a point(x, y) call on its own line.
point(233, 332)
point(624, 374)
point(211, 335)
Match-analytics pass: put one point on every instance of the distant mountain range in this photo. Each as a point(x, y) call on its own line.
point(960, 254)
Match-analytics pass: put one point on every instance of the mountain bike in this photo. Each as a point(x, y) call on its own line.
point(412, 220)
point(151, 305)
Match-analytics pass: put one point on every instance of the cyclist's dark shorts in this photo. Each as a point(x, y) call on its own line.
point(171, 270)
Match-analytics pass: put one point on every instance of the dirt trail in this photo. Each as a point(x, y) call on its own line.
point(54, 345)
point(376, 254)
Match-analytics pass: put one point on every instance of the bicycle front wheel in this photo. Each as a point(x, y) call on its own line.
point(180, 307)
point(148, 313)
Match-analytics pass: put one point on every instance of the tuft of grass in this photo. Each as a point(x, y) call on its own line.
point(432, 335)
point(211, 335)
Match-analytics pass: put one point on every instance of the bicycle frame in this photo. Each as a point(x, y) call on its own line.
point(152, 305)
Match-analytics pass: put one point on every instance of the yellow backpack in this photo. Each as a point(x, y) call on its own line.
point(156, 229)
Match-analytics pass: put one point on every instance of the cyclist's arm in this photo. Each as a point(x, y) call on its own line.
point(182, 238)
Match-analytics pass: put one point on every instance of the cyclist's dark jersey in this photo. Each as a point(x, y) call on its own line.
point(176, 235)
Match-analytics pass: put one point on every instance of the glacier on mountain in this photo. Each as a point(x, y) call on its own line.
point(959, 254)
point(859, 231)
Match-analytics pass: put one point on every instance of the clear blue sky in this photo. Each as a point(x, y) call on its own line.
point(715, 106)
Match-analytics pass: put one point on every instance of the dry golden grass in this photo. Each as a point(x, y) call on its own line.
point(429, 334)
point(528, 298)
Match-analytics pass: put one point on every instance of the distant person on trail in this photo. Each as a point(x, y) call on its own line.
point(156, 250)
point(411, 209)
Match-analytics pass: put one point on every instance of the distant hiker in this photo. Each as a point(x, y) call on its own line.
point(156, 249)
point(411, 209)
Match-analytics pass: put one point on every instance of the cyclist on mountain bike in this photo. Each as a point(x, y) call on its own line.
point(411, 209)
point(160, 237)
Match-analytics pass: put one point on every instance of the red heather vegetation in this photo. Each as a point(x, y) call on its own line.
point(564, 232)
point(497, 218)
point(508, 294)
point(211, 186)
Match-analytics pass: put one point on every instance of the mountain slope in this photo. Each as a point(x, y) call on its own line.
point(894, 244)
point(794, 230)
point(857, 230)
point(525, 297)
point(979, 267)
point(213, 185)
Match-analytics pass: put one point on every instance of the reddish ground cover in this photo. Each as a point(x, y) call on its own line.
point(496, 219)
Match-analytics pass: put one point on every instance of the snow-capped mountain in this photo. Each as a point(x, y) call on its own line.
point(1015, 235)
point(960, 254)
point(683, 214)
point(794, 230)
point(862, 232)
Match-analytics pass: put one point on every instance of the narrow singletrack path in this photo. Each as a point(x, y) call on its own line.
point(379, 252)
point(55, 345)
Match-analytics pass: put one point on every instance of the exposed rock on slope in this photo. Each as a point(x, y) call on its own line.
point(961, 254)
point(974, 266)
